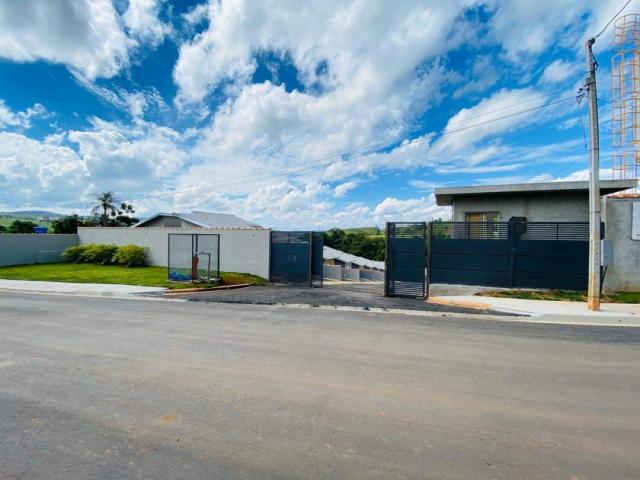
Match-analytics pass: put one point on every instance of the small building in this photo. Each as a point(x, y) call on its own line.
point(196, 220)
point(547, 247)
point(243, 245)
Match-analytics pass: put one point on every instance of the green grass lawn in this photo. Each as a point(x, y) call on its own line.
point(6, 221)
point(88, 273)
point(562, 295)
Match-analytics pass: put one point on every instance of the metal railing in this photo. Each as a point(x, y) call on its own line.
point(575, 231)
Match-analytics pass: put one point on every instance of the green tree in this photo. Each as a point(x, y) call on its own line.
point(356, 243)
point(68, 224)
point(22, 226)
point(108, 208)
point(123, 221)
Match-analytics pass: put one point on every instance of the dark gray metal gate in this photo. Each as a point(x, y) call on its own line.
point(296, 258)
point(510, 254)
point(317, 259)
point(405, 260)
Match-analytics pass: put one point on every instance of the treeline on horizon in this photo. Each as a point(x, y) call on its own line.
point(357, 242)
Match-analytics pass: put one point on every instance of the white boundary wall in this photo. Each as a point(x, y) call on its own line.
point(29, 248)
point(241, 250)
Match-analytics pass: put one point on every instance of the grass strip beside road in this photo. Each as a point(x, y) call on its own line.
point(111, 274)
point(563, 295)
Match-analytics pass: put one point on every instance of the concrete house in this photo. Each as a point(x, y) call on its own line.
point(560, 202)
point(537, 202)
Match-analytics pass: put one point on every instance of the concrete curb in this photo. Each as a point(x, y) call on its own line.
point(185, 291)
point(516, 317)
point(459, 303)
point(80, 293)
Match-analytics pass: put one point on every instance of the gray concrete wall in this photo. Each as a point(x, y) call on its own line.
point(624, 274)
point(23, 249)
point(333, 272)
point(374, 275)
point(352, 274)
point(244, 251)
point(551, 207)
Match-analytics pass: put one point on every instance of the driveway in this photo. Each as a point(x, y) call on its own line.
point(344, 294)
point(97, 388)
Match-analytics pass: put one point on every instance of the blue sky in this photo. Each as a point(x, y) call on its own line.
point(341, 113)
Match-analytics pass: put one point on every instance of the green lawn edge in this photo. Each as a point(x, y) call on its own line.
point(562, 295)
point(111, 274)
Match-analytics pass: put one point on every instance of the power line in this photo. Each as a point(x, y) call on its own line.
point(419, 140)
point(328, 160)
point(508, 107)
point(612, 19)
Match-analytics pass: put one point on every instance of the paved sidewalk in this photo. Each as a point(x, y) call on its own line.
point(90, 289)
point(616, 312)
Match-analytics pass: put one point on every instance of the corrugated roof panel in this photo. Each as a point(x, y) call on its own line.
point(208, 220)
point(329, 253)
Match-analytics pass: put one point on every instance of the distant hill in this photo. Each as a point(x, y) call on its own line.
point(31, 213)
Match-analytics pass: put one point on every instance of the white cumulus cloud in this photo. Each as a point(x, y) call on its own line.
point(9, 118)
point(37, 173)
point(558, 71)
point(85, 35)
point(143, 23)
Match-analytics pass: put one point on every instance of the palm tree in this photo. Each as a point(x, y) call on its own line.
point(107, 205)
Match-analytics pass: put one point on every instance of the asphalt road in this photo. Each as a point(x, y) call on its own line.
point(147, 389)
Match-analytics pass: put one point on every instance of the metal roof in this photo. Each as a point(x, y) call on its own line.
point(444, 196)
point(207, 220)
point(329, 253)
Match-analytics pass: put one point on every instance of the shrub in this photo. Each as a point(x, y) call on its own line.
point(22, 226)
point(131, 255)
point(76, 253)
point(100, 253)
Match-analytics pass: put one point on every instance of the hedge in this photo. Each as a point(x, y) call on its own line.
point(103, 254)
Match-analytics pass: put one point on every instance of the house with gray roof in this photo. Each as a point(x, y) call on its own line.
point(198, 219)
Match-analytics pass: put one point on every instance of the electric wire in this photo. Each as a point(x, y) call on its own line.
point(328, 160)
point(612, 19)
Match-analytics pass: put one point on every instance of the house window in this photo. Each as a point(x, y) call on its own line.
point(487, 227)
point(482, 216)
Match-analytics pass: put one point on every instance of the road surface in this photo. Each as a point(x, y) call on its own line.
point(146, 389)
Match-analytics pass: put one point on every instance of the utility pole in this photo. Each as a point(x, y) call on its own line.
point(594, 182)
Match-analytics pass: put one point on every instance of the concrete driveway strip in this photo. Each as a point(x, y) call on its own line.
point(100, 388)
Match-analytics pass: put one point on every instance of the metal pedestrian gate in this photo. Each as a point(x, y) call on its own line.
point(405, 260)
point(193, 257)
point(296, 258)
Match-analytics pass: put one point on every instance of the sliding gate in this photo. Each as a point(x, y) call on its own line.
point(296, 258)
point(515, 254)
point(405, 260)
